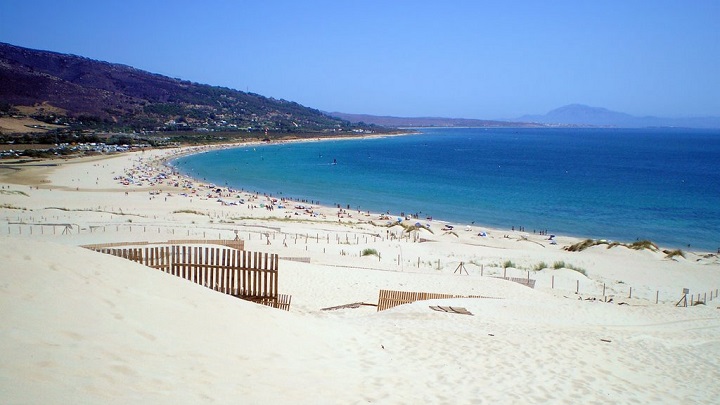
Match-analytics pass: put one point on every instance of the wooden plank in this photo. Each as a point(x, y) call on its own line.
point(388, 299)
point(233, 272)
point(254, 274)
point(212, 270)
point(451, 310)
point(203, 269)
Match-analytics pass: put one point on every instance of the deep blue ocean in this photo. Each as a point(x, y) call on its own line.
point(618, 184)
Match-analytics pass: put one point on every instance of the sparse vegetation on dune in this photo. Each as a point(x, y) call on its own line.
point(370, 252)
point(562, 265)
point(95, 210)
point(411, 228)
point(587, 243)
point(13, 192)
point(405, 227)
point(189, 212)
point(670, 254)
point(580, 246)
point(540, 266)
point(641, 245)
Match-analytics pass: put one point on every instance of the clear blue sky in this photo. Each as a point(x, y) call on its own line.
point(470, 59)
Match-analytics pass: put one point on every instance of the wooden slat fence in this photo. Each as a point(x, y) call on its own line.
point(521, 280)
point(252, 276)
point(297, 259)
point(282, 302)
point(238, 244)
point(389, 298)
point(116, 244)
point(231, 243)
point(240, 273)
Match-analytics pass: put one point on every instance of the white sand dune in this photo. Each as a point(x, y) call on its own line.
point(83, 327)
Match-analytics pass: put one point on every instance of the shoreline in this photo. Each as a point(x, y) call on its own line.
point(479, 227)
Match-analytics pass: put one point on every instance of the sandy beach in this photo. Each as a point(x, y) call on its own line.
point(599, 326)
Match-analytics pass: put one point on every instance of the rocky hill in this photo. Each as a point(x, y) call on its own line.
point(78, 92)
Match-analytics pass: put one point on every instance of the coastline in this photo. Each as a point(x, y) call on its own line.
point(479, 225)
point(117, 331)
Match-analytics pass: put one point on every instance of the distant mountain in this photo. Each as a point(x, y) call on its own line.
point(396, 122)
point(573, 115)
point(73, 90)
point(582, 115)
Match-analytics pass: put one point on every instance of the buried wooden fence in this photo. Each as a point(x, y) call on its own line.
point(527, 281)
point(388, 298)
point(251, 276)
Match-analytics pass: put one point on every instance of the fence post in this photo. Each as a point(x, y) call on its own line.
point(577, 286)
point(552, 282)
point(630, 293)
point(657, 295)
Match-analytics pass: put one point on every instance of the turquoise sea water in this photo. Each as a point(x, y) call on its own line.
point(619, 184)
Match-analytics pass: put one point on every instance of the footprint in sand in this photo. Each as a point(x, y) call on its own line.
point(146, 335)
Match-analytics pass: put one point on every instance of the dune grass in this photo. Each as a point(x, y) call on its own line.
point(670, 254)
point(562, 265)
point(14, 192)
point(12, 207)
point(642, 244)
point(370, 252)
point(587, 243)
point(189, 212)
point(539, 266)
point(410, 228)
